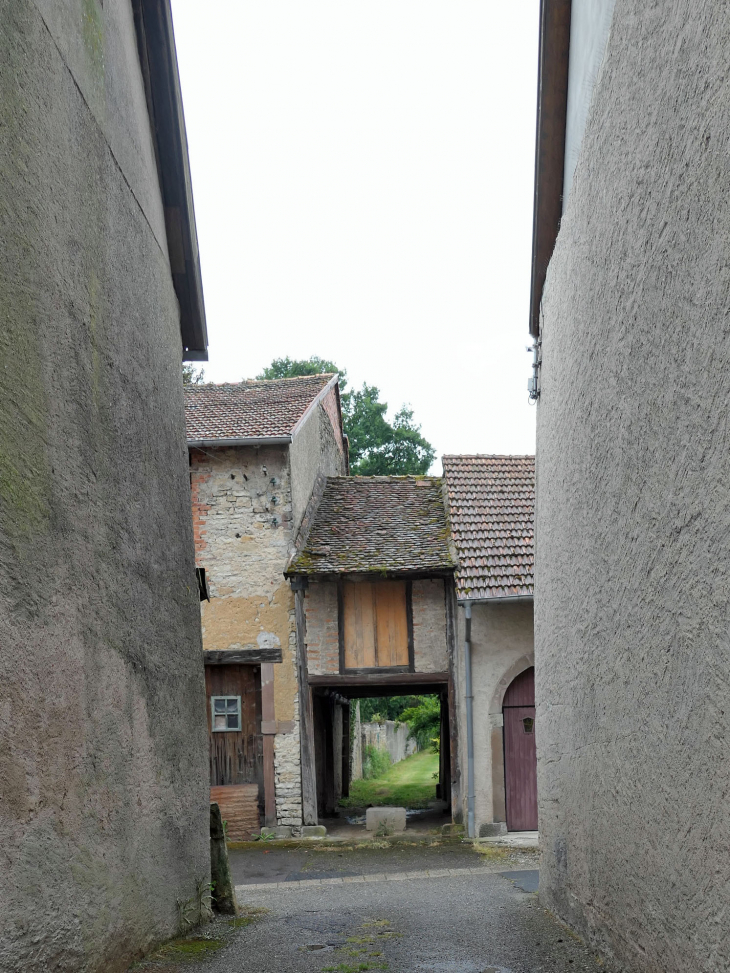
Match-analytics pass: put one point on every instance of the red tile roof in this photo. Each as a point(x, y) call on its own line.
point(491, 508)
point(251, 409)
point(380, 524)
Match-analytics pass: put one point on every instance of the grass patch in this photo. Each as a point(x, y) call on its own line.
point(409, 783)
point(188, 949)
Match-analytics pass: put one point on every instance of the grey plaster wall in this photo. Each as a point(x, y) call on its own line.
point(316, 449)
point(103, 792)
point(633, 512)
point(502, 648)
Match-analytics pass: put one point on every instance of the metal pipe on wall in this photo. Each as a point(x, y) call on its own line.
point(471, 797)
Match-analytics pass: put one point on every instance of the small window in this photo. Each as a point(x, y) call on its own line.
point(225, 713)
point(528, 723)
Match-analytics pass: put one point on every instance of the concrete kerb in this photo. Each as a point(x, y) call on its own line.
point(371, 839)
point(242, 890)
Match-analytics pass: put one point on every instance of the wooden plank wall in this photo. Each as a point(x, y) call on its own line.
point(237, 757)
point(239, 804)
point(375, 624)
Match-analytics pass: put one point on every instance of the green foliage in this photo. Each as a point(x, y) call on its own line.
point(424, 720)
point(385, 707)
point(377, 447)
point(192, 375)
point(375, 762)
point(290, 368)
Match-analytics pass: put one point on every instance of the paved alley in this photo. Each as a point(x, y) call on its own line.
point(443, 909)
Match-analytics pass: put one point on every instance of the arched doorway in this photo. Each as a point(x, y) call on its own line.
point(520, 754)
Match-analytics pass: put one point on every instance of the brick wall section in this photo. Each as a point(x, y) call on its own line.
point(323, 647)
point(429, 626)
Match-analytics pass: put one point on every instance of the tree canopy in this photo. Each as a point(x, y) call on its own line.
point(377, 446)
point(192, 375)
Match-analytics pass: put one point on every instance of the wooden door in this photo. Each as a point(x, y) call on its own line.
point(375, 625)
point(520, 753)
point(236, 756)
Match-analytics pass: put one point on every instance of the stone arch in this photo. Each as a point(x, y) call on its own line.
point(499, 808)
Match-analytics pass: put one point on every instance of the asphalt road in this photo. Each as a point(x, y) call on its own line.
point(466, 922)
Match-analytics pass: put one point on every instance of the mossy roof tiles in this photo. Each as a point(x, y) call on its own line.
point(250, 409)
point(491, 509)
point(376, 524)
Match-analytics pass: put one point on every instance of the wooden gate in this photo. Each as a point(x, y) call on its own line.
point(233, 696)
point(520, 754)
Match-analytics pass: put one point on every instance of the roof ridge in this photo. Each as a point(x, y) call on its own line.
point(257, 381)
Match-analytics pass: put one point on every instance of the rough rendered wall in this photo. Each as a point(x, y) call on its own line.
point(633, 519)
point(430, 651)
point(502, 648)
point(242, 516)
point(103, 798)
point(316, 449)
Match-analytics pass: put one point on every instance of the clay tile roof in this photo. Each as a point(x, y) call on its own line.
point(249, 410)
point(376, 524)
point(491, 507)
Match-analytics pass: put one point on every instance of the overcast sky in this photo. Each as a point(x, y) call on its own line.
point(362, 174)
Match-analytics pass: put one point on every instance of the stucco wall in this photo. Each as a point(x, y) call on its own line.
point(103, 796)
point(633, 545)
point(316, 449)
point(323, 641)
point(502, 648)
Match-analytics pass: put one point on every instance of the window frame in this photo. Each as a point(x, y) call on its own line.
point(226, 713)
point(411, 667)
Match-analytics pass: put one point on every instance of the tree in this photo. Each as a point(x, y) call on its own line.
point(288, 368)
point(424, 721)
point(192, 375)
point(377, 447)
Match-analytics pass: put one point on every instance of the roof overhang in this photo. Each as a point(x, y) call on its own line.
point(156, 43)
point(250, 441)
point(505, 600)
point(552, 104)
point(379, 575)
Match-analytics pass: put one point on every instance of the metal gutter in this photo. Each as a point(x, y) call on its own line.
point(246, 441)
point(506, 599)
point(471, 792)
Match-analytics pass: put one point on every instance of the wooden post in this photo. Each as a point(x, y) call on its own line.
point(268, 729)
point(306, 716)
point(346, 748)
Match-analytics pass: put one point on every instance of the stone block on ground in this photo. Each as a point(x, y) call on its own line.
point(388, 819)
point(314, 831)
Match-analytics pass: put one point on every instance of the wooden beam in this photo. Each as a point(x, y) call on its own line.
point(409, 623)
point(252, 657)
point(306, 716)
point(268, 718)
point(379, 683)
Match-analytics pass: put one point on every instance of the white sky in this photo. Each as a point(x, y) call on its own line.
point(363, 177)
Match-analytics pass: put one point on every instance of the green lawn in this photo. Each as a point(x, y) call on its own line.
point(409, 783)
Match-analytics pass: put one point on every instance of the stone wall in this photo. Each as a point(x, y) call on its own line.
point(633, 541)
point(430, 649)
point(247, 504)
point(323, 645)
point(388, 735)
point(502, 647)
point(103, 790)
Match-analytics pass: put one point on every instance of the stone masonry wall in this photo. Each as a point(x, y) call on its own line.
point(103, 795)
point(430, 650)
point(632, 574)
point(242, 518)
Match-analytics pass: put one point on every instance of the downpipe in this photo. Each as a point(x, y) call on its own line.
point(469, 725)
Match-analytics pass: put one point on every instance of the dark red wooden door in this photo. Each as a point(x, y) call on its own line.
point(520, 754)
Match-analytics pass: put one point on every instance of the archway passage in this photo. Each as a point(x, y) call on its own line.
point(520, 753)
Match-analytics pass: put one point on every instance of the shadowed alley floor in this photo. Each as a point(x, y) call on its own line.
point(443, 909)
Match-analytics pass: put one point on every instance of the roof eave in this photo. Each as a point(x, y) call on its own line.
point(497, 600)
point(411, 574)
point(240, 441)
point(552, 103)
point(158, 59)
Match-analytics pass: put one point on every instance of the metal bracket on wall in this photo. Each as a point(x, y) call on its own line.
point(533, 383)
